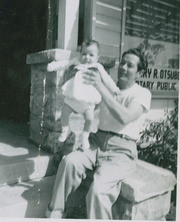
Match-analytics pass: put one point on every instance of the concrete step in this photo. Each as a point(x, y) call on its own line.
point(20, 160)
point(26, 199)
point(30, 199)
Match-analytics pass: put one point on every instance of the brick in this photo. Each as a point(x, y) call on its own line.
point(39, 73)
point(49, 101)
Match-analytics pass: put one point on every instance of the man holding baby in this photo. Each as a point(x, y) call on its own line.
point(112, 151)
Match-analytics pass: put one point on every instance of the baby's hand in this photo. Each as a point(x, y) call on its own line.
point(57, 65)
point(50, 67)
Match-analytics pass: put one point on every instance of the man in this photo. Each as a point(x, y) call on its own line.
point(113, 148)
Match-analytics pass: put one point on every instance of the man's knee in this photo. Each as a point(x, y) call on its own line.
point(96, 189)
point(74, 165)
point(69, 161)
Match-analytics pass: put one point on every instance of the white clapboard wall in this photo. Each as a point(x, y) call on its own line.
point(105, 21)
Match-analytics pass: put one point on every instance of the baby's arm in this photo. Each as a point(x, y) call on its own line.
point(108, 81)
point(61, 65)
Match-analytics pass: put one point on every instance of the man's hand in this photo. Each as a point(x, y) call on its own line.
point(93, 78)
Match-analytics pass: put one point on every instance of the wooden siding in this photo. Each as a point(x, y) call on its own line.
point(112, 3)
point(109, 50)
point(156, 19)
point(104, 9)
point(108, 26)
point(107, 36)
point(109, 23)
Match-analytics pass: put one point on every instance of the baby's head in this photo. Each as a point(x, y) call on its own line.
point(89, 52)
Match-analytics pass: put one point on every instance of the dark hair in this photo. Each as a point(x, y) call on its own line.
point(143, 64)
point(89, 42)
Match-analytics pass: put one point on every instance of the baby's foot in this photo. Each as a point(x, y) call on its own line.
point(64, 134)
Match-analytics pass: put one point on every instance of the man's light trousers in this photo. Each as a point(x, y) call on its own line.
point(112, 166)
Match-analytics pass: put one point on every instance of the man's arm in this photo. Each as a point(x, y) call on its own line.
point(107, 80)
point(123, 114)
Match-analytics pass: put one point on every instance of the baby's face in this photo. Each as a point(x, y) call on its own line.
point(89, 54)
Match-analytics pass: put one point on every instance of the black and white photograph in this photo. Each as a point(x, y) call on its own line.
point(89, 103)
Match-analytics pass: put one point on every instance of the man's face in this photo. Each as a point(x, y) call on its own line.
point(89, 54)
point(128, 70)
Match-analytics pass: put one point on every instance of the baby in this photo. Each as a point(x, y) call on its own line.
point(78, 96)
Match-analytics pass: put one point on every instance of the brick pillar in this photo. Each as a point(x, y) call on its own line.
point(46, 99)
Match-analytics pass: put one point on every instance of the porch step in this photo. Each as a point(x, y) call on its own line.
point(20, 160)
point(26, 199)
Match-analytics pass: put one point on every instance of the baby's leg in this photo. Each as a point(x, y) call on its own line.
point(66, 111)
point(89, 117)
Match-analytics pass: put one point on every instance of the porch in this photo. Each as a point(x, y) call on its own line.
point(27, 177)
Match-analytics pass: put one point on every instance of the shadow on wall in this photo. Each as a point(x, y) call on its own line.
point(27, 20)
